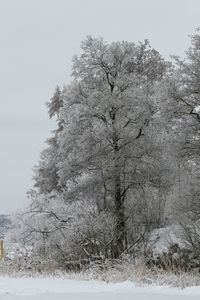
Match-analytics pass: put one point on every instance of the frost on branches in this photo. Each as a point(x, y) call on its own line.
point(108, 177)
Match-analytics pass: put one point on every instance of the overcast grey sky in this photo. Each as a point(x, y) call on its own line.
point(37, 41)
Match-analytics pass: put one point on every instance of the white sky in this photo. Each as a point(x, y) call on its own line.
point(37, 41)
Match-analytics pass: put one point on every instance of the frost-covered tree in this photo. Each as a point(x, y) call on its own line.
point(124, 158)
point(55, 103)
point(101, 183)
point(45, 173)
point(185, 91)
point(107, 147)
point(184, 111)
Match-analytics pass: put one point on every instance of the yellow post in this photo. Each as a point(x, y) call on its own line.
point(1, 249)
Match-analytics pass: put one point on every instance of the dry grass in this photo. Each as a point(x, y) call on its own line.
point(111, 271)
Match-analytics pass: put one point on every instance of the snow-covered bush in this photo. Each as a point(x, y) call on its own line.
point(67, 233)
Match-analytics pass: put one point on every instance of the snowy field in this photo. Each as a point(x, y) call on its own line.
point(62, 289)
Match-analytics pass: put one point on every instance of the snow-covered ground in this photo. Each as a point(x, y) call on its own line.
point(65, 289)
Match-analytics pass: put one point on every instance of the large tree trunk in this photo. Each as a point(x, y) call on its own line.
point(120, 227)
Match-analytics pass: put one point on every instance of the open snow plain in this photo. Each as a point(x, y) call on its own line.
point(65, 289)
